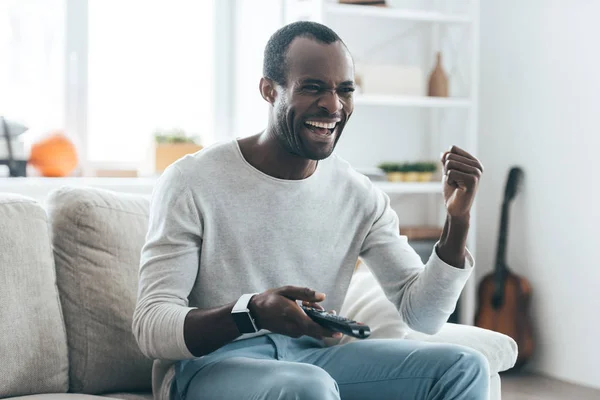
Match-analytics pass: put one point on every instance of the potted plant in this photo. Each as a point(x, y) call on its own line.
point(425, 170)
point(171, 145)
point(421, 171)
point(412, 172)
point(395, 171)
point(408, 172)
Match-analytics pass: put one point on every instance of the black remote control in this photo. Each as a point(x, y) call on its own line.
point(338, 324)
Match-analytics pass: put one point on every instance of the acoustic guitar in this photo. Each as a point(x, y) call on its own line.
point(504, 296)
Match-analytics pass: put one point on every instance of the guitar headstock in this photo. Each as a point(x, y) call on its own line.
point(513, 183)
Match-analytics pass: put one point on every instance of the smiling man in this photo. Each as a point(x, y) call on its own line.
point(242, 231)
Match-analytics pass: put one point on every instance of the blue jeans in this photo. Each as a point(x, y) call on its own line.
point(279, 367)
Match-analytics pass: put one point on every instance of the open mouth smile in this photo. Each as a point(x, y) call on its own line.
point(321, 128)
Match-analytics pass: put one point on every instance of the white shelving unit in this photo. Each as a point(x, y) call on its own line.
point(394, 13)
point(411, 101)
point(434, 123)
point(410, 188)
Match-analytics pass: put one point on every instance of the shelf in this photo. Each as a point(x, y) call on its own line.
point(394, 13)
point(412, 101)
point(409, 187)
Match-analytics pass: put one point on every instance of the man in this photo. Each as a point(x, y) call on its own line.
point(267, 221)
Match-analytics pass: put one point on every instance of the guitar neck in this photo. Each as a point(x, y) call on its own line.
point(502, 239)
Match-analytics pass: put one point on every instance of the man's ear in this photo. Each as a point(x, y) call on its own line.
point(267, 90)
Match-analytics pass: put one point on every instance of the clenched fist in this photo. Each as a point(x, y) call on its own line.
point(462, 173)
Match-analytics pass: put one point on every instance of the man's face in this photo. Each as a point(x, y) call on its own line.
point(313, 107)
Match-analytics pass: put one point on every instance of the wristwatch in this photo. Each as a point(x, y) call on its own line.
point(242, 316)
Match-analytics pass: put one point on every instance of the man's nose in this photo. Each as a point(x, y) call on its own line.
point(330, 101)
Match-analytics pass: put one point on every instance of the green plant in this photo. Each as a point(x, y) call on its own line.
point(173, 136)
point(422, 166)
point(391, 167)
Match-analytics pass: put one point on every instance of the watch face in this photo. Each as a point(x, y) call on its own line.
point(244, 322)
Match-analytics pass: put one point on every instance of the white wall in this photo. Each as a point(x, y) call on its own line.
point(540, 108)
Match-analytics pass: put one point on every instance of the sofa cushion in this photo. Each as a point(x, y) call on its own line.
point(33, 344)
point(500, 350)
point(97, 237)
point(366, 302)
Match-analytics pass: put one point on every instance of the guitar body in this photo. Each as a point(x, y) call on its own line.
point(512, 316)
point(504, 297)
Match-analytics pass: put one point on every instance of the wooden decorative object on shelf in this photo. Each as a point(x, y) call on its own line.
point(438, 80)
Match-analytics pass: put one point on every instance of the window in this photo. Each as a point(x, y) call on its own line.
point(255, 22)
point(112, 72)
point(150, 67)
point(32, 47)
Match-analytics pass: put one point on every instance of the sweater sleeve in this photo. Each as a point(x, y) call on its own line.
point(425, 295)
point(168, 269)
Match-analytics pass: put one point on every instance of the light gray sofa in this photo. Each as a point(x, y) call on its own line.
point(68, 270)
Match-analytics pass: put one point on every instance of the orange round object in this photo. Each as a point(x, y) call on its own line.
point(54, 155)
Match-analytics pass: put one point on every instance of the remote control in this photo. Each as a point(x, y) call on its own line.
point(338, 324)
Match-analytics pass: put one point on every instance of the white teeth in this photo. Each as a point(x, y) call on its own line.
point(329, 125)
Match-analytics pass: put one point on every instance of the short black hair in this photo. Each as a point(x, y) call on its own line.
point(274, 63)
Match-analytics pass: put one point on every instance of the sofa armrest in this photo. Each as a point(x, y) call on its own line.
point(500, 350)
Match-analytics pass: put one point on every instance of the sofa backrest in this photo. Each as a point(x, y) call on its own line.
point(33, 344)
point(97, 237)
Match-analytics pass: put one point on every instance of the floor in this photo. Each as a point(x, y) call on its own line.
point(535, 387)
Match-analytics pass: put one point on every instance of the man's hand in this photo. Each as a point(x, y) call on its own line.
point(277, 311)
point(462, 172)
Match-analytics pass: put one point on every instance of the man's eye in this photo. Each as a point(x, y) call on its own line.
point(347, 90)
point(312, 88)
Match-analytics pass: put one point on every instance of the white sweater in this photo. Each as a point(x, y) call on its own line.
point(220, 228)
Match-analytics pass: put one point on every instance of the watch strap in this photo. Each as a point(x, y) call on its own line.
point(242, 304)
point(241, 314)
